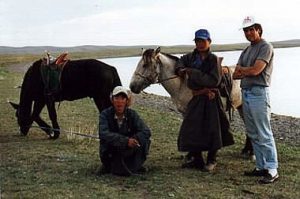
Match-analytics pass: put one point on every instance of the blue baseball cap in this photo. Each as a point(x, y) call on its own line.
point(202, 34)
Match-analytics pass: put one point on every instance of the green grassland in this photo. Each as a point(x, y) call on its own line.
point(36, 167)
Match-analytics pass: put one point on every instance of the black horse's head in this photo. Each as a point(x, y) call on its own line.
point(23, 119)
point(31, 87)
point(23, 110)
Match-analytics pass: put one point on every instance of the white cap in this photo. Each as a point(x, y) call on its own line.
point(248, 21)
point(119, 89)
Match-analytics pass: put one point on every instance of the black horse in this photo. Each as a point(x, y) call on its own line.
point(78, 79)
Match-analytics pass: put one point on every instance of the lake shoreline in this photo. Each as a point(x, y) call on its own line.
point(286, 129)
point(99, 52)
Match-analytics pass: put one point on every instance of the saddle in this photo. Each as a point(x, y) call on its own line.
point(51, 70)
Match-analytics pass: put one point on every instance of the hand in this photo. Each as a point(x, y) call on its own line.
point(183, 71)
point(133, 143)
point(211, 95)
point(238, 73)
point(225, 70)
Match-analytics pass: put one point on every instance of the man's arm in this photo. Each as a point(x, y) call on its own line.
point(241, 72)
point(143, 133)
point(207, 79)
point(112, 138)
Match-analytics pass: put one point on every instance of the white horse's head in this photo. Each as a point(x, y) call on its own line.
point(146, 72)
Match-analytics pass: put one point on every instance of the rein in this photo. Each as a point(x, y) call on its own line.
point(167, 79)
point(69, 132)
point(158, 81)
point(152, 80)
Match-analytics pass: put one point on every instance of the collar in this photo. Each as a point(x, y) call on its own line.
point(197, 52)
point(116, 117)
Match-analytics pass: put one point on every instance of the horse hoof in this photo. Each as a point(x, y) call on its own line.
point(248, 156)
point(252, 158)
point(54, 135)
point(22, 134)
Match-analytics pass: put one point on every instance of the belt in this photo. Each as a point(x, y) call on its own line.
point(209, 92)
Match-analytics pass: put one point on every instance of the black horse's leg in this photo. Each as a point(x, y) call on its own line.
point(37, 108)
point(248, 149)
point(53, 117)
point(102, 103)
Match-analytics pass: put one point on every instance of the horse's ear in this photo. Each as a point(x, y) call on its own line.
point(47, 57)
point(14, 105)
point(157, 50)
point(143, 50)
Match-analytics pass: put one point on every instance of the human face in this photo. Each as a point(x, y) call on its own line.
point(119, 102)
point(252, 34)
point(202, 45)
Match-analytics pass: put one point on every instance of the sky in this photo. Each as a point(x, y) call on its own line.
point(141, 22)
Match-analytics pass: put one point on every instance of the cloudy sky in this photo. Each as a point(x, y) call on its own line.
point(140, 22)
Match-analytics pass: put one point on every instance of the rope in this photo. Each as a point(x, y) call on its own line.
point(164, 80)
point(160, 64)
point(70, 132)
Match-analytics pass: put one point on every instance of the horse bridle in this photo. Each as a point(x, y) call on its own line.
point(155, 79)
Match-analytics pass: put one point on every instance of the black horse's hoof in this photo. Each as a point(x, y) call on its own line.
point(54, 135)
point(22, 134)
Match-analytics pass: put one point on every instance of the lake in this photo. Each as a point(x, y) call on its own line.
point(284, 88)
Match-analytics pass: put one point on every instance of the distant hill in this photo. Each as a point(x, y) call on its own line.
point(54, 49)
point(92, 48)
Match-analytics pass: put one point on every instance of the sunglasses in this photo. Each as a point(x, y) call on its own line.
point(251, 29)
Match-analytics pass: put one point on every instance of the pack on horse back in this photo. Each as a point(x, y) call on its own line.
point(51, 70)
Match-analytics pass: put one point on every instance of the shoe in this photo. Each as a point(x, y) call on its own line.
point(268, 179)
point(193, 165)
point(210, 167)
point(142, 170)
point(102, 171)
point(256, 172)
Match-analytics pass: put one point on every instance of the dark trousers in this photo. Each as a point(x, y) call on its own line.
point(211, 156)
point(123, 161)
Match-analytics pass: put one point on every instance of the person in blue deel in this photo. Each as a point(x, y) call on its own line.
point(124, 137)
point(205, 126)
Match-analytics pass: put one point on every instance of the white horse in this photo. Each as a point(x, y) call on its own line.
point(157, 67)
